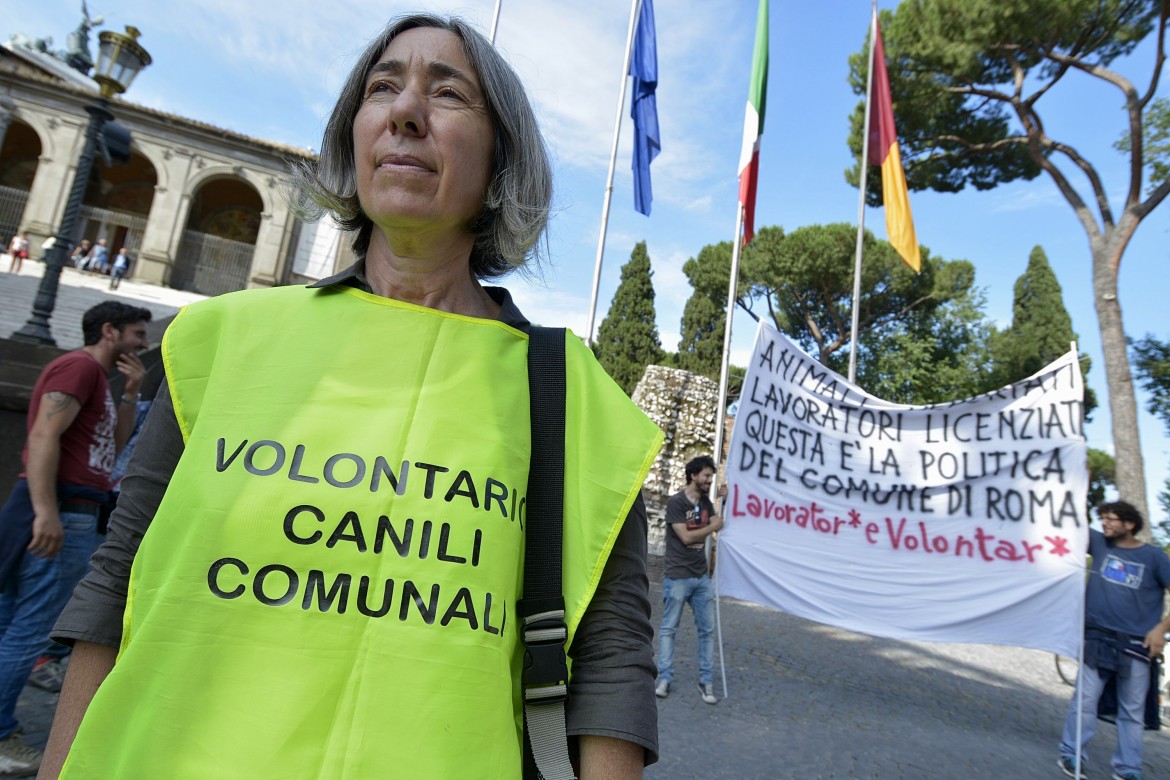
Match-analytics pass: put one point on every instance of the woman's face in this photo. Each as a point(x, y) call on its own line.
point(423, 138)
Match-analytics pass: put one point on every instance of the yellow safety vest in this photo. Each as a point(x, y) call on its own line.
point(328, 588)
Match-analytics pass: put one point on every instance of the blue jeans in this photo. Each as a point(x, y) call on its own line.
point(697, 592)
point(30, 607)
point(1131, 706)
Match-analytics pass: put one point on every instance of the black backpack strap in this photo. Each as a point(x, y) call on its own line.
point(542, 609)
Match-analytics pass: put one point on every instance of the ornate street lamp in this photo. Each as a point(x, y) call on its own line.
point(120, 58)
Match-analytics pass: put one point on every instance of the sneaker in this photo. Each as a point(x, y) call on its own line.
point(662, 690)
point(17, 758)
point(708, 693)
point(48, 676)
point(1068, 765)
point(1126, 775)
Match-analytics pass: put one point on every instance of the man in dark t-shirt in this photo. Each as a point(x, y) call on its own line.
point(690, 519)
point(1124, 629)
point(48, 526)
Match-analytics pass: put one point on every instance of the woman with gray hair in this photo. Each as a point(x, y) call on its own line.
point(325, 513)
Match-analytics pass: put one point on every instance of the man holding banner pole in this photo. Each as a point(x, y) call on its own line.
point(690, 520)
point(1124, 630)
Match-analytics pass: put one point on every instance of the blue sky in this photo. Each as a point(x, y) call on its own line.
point(245, 67)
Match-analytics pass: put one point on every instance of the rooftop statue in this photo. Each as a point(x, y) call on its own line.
point(76, 54)
point(28, 42)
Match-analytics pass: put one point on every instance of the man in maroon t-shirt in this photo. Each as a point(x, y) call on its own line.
point(48, 527)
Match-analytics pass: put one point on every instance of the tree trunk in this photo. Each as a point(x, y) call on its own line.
point(1131, 479)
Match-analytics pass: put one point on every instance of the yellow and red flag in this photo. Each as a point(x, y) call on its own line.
point(883, 151)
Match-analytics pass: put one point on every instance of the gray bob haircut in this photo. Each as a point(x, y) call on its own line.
point(516, 205)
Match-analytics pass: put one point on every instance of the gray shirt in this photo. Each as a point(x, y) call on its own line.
point(612, 688)
point(686, 561)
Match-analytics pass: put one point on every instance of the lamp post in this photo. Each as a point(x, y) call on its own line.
point(120, 58)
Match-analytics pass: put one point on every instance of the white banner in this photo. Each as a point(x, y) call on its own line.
point(959, 522)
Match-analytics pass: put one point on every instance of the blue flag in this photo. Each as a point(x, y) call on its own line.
point(644, 106)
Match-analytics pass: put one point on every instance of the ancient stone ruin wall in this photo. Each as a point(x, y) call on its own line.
point(683, 405)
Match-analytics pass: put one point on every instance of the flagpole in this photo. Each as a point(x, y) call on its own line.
point(635, 7)
point(721, 407)
point(748, 177)
point(495, 21)
point(863, 177)
point(725, 365)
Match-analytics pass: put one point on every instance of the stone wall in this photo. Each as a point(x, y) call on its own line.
point(683, 405)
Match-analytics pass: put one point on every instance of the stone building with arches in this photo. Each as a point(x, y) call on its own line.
point(198, 207)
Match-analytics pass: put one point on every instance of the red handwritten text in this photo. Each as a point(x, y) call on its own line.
point(980, 544)
point(810, 516)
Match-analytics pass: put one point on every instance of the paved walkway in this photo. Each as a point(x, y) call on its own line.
point(77, 292)
point(806, 701)
point(810, 701)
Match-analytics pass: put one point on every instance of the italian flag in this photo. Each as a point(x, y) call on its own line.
point(883, 151)
point(753, 125)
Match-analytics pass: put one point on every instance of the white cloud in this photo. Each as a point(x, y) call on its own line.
point(544, 306)
point(568, 55)
point(1040, 194)
point(671, 285)
point(671, 290)
point(571, 60)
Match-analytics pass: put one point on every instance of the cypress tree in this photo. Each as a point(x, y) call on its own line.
point(1041, 328)
point(627, 340)
point(700, 346)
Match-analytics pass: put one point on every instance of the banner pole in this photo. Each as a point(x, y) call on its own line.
point(1081, 642)
point(635, 7)
point(863, 177)
point(721, 414)
point(719, 615)
point(1077, 690)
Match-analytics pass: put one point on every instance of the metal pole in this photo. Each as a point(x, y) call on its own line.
point(732, 286)
point(617, 129)
point(719, 621)
point(1080, 683)
point(1076, 366)
point(36, 330)
point(720, 414)
point(495, 21)
point(863, 177)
